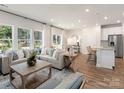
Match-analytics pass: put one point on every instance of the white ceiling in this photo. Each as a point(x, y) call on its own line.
point(67, 15)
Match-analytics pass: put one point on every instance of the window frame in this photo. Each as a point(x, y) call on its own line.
point(12, 27)
point(55, 44)
point(30, 30)
point(36, 30)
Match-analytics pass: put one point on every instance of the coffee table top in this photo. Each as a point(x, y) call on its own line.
point(23, 68)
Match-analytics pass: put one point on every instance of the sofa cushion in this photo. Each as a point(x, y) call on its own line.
point(47, 58)
point(19, 61)
point(20, 54)
point(51, 59)
point(72, 81)
point(43, 57)
point(15, 56)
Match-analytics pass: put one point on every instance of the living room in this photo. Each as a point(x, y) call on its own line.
point(78, 46)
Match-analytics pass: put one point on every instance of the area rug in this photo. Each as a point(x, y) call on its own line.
point(56, 78)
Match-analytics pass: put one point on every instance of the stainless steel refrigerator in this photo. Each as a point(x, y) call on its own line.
point(116, 41)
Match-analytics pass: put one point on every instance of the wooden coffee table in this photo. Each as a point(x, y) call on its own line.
point(28, 75)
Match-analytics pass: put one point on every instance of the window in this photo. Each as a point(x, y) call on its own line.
point(57, 41)
point(38, 39)
point(5, 37)
point(23, 38)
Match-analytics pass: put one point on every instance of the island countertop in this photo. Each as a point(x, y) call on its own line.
point(107, 48)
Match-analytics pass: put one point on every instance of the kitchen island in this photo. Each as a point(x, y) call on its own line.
point(105, 57)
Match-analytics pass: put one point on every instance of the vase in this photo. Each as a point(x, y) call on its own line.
point(31, 62)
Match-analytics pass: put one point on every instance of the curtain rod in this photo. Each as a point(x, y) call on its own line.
point(29, 19)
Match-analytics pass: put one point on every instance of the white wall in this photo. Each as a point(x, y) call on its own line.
point(47, 36)
point(15, 21)
point(88, 37)
point(91, 37)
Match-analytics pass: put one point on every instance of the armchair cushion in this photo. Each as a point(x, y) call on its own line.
point(73, 81)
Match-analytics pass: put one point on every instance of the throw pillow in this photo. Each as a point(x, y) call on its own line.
point(53, 51)
point(50, 52)
point(46, 51)
point(20, 54)
point(43, 51)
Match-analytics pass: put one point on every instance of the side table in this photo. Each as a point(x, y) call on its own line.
point(68, 60)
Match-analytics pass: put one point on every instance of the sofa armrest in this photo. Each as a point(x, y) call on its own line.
point(83, 83)
point(19, 61)
point(5, 65)
point(61, 60)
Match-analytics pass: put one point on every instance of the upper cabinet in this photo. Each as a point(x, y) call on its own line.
point(109, 30)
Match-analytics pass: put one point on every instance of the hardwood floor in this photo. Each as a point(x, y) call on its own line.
point(100, 78)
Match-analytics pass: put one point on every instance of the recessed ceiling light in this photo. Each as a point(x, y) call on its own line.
point(123, 13)
point(105, 17)
point(96, 24)
point(87, 10)
point(51, 20)
point(118, 21)
point(79, 21)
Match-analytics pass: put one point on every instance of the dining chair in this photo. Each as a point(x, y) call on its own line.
point(91, 53)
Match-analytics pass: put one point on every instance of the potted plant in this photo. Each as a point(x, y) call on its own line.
point(31, 61)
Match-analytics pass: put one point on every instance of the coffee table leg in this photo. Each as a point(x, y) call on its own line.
point(23, 82)
point(10, 74)
point(49, 75)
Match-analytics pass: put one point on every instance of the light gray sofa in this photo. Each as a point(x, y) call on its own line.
point(56, 58)
point(19, 56)
point(73, 81)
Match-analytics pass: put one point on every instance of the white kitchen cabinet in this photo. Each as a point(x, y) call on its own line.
point(105, 58)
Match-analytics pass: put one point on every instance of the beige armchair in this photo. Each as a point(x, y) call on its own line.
point(8, 60)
